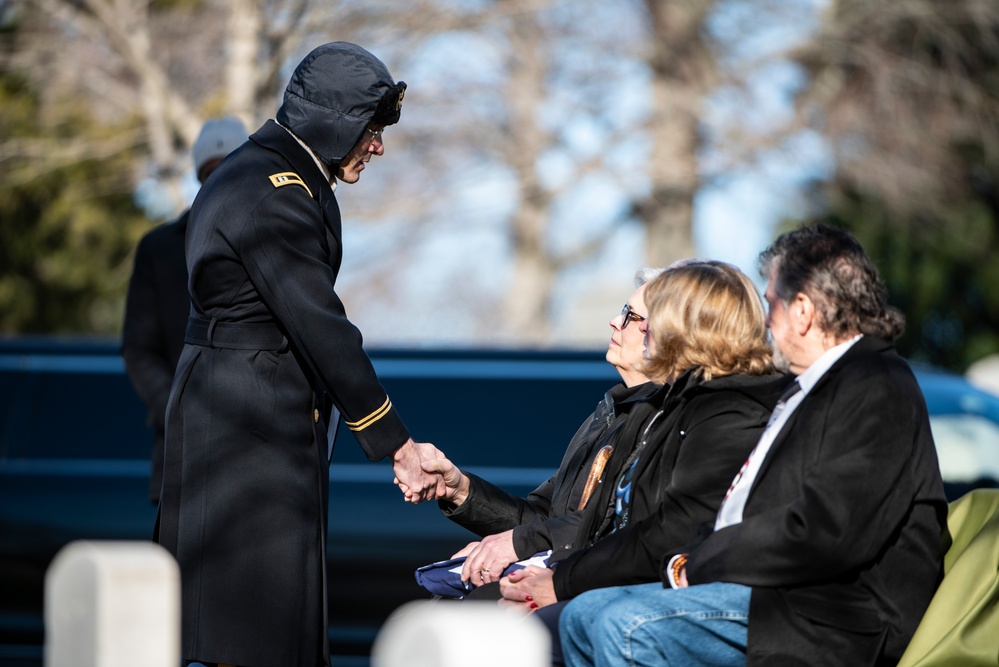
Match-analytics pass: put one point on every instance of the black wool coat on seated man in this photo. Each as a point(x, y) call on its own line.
point(246, 475)
point(844, 529)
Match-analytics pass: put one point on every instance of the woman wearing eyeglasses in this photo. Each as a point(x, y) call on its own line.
point(515, 528)
point(707, 343)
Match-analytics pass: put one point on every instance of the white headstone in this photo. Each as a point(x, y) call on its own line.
point(458, 634)
point(112, 604)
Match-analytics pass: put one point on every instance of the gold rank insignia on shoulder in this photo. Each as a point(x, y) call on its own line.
point(288, 178)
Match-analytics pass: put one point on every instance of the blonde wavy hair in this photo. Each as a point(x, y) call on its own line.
point(706, 315)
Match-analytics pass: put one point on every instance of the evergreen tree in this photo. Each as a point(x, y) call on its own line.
point(906, 95)
point(69, 220)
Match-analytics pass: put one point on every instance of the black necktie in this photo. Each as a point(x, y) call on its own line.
point(791, 390)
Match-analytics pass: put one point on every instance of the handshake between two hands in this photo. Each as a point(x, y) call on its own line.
point(422, 472)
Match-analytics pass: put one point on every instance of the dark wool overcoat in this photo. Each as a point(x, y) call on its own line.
point(246, 476)
point(844, 531)
point(548, 516)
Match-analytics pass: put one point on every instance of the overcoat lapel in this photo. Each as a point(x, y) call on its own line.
point(331, 212)
point(306, 167)
point(865, 344)
point(277, 138)
point(789, 426)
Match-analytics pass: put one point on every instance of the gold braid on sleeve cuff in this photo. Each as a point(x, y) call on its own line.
point(364, 423)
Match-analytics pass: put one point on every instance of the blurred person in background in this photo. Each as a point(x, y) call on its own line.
point(158, 304)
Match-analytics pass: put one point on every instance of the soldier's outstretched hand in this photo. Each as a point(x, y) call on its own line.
point(416, 484)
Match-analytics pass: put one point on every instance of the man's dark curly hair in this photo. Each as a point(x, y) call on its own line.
point(828, 265)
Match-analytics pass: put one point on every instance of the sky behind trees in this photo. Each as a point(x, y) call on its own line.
point(547, 148)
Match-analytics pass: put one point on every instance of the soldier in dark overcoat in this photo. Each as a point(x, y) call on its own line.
point(270, 364)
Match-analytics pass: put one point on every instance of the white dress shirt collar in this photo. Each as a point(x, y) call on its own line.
point(734, 503)
point(815, 372)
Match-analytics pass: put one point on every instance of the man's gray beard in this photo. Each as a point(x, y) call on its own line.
point(780, 361)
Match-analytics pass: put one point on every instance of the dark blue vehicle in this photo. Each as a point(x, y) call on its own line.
point(74, 465)
point(74, 451)
point(965, 423)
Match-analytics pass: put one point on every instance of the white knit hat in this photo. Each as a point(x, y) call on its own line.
point(218, 138)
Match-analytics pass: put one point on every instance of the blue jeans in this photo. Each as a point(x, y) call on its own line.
point(655, 626)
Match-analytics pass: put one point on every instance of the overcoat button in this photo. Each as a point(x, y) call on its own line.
point(315, 415)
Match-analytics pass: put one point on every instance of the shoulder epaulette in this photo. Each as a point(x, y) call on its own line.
point(288, 178)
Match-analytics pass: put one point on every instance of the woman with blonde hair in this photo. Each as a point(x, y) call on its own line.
point(705, 317)
point(706, 339)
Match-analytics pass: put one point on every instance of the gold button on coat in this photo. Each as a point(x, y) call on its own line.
point(315, 415)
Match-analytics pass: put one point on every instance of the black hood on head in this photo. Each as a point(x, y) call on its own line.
point(335, 92)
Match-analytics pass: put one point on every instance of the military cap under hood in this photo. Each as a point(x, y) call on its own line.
point(335, 92)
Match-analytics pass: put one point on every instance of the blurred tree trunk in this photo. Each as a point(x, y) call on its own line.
point(170, 64)
point(528, 299)
point(245, 30)
point(125, 57)
point(679, 54)
point(683, 70)
point(898, 88)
